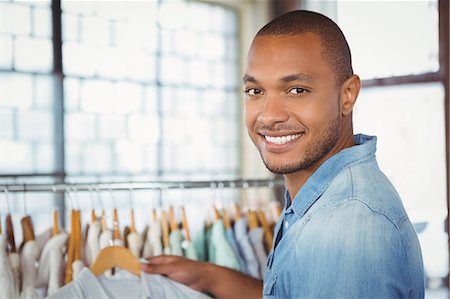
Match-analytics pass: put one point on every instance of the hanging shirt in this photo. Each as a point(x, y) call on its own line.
point(28, 258)
point(246, 248)
point(6, 273)
point(221, 252)
point(256, 237)
point(92, 247)
point(232, 241)
point(345, 235)
point(175, 240)
point(189, 250)
point(199, 243)
point(49, 273)
point(125, 285)
point(134, 243)
point(153, 245)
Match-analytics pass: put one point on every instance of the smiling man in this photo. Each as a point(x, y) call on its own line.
point(343, 232)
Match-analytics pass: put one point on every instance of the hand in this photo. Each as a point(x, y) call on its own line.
point(185, 271)
point(205, 277)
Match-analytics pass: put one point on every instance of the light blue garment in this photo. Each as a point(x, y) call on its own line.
point(232, 241)
point(199, 242)
point(246, 248)
point(221, 252)
point(256, 237)
point(175, 240)
point(345, 235)
point(189, 250)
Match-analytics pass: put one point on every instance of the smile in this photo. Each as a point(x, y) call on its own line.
point(282, 139)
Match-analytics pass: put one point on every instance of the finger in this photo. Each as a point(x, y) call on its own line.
point(165, 269)
point(161, 259)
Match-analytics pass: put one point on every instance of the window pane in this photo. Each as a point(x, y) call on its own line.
point(27, 96)
point(409, 123)
point(391, 38)
point(138, 70)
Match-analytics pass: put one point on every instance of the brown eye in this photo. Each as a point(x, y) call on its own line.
point(297, 90)
point(253, 91)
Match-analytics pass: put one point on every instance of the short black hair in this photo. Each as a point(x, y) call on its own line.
point(335, 48)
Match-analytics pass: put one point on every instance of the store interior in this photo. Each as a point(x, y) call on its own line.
point(116, 115)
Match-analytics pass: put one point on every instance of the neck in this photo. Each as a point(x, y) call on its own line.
point(295, 181)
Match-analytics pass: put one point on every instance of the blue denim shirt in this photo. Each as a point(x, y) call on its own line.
point(345, 235)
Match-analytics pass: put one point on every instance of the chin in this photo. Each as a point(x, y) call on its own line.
point(281, 168)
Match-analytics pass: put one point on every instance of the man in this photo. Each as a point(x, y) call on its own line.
point(343, 232)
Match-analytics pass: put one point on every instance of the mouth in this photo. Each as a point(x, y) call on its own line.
point(283, 139)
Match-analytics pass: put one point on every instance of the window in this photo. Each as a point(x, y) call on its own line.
point(403, 103)
point(149, 92)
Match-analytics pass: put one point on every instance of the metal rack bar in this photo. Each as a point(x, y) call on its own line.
point(144, 185)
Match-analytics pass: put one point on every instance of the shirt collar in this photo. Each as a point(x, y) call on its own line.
point(317, 183)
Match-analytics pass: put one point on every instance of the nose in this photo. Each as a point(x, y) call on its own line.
point(272, 111)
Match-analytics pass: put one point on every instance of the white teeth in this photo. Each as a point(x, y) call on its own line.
point(282, 139)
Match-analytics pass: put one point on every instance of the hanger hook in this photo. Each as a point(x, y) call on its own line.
point(112, 196)
point(181, 187)
point(7, 199)
point(24, 200)
point(221, 191)
point(71, 196)
point(130, 195)
point(91, 196)
point(99, 197)
point(74, 189)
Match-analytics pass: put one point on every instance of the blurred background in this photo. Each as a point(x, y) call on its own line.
point(151, 90)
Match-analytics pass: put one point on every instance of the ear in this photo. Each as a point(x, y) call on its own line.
point(349, 92)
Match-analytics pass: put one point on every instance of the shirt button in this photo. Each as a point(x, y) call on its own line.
point(286, 225)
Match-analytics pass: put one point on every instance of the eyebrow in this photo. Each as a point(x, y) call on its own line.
point(297, 77)
point(248, 78)
point(285, 79)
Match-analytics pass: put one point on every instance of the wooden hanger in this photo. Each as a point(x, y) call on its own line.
point(126, 232)
point(116, 232)
point(268, 235)
point(70, 249)
point(78, 236)
point(55, 229)
point(10, 234)
point(132, 226)
point(216, 213)
point(226, 219)
point(165, 229)
point(185, 224)
point(237, 211)
point(172, 222)
point(93, 216)
point(154, 214)
point(252, 220)
point(103, 224)
point(116, 256)
point(27, 229)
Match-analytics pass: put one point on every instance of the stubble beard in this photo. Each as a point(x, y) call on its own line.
point(314, 151)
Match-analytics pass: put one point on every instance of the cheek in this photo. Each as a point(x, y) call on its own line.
point(250, 115)
point(319, 111)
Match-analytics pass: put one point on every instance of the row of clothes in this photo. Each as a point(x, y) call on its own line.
point(42, 265)
point(241, 244)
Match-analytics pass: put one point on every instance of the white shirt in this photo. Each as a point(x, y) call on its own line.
point(125, 285)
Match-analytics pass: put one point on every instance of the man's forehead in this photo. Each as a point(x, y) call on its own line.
point(249, 78)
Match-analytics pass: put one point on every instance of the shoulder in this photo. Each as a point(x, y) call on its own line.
point(365, 183)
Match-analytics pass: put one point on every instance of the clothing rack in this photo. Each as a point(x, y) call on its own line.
point(143, 185)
